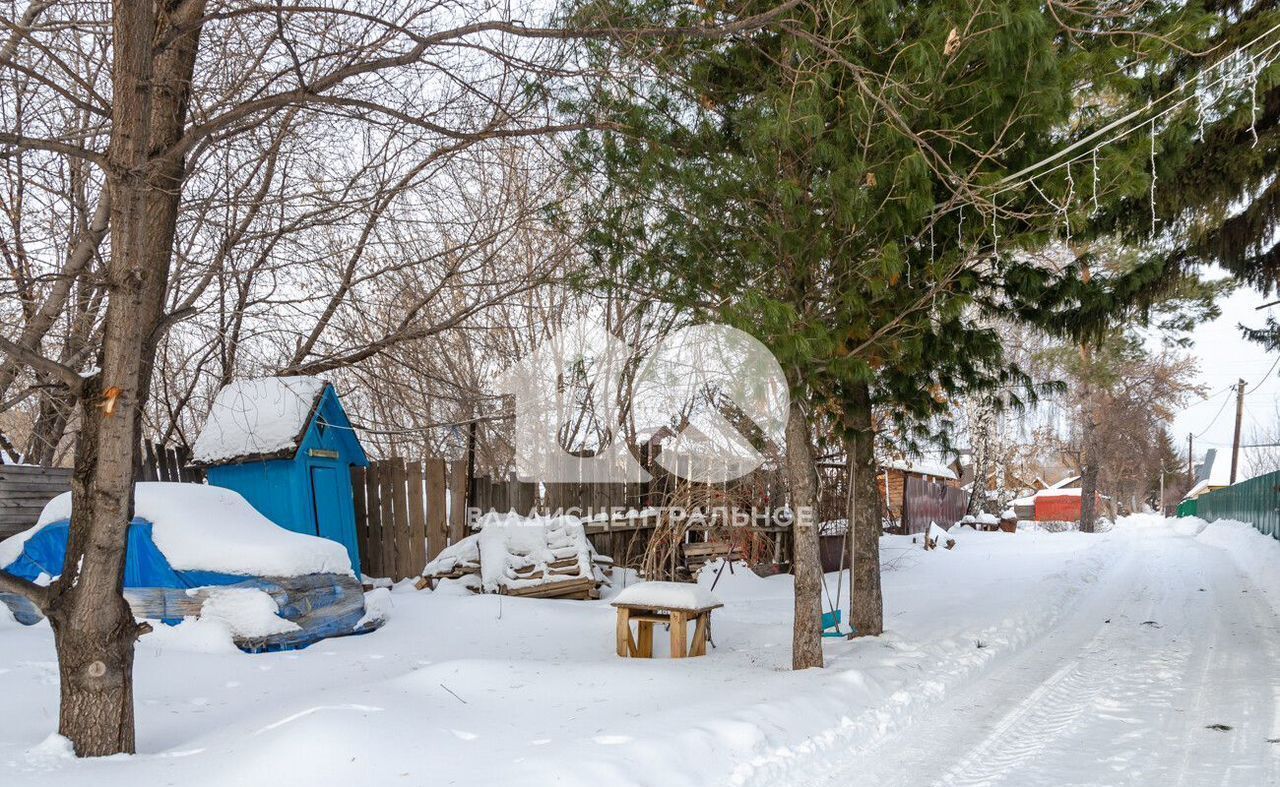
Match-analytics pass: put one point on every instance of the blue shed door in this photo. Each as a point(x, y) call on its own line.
point(326, 495)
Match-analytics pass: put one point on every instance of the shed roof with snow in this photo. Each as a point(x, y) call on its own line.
point(268, 418)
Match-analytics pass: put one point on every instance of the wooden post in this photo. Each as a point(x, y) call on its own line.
point(386, 500)
point(417, 557)
point(625, 645)
point(457, 501)
point(183, 454)
point(149, 463)
point(362, 518)
point(471, 461)
point(164, 472)
point(644, 647)
point(400, 509)
point(679, 634)
point(403, 535)
point(1235, 444)
point(437, 515)
point(700, 631)
point(373, 506)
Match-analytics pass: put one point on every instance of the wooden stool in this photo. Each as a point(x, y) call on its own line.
point(647, 616)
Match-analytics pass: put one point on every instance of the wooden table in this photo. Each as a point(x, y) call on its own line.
point(641, 646)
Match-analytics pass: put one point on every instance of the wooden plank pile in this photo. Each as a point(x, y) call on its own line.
point(551, 560)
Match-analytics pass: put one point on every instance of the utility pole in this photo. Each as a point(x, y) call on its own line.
point(1235, 445)
point(1191, 462)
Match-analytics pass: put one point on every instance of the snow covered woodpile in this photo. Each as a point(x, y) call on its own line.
point(196, 550)
point(540, 557)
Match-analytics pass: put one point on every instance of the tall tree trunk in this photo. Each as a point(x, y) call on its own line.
point(94, 629)
point(866, 604)
point(806, 636)
point(1088, 445)
point(1088, 472)
point(981, 448)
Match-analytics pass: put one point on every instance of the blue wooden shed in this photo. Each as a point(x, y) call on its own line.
point(286, 445)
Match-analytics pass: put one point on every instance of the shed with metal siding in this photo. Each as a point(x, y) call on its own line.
point(302, 483)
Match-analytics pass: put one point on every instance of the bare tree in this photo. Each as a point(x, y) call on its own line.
point(186, 77)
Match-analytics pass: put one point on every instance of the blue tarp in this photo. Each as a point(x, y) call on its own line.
point(145, 565)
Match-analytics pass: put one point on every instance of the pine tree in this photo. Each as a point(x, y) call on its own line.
point(823, 184)
point(1193, 183)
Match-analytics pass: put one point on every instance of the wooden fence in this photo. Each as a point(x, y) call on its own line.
point(927, 501)
point(24, 490)
point(406, 512)
point(167, 463)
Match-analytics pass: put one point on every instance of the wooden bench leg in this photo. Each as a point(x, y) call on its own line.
point(679, 635)
point(699, 647)
point(625, 646)
point(645, 637)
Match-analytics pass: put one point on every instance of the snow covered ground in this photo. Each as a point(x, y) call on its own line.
point(1025, 659)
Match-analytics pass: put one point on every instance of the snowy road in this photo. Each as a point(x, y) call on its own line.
point(1022, 660)
point(1171, 640)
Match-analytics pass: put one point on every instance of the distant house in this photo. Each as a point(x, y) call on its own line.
point(1214, 472)
point(286, 445)
point(1060, 499)
point(894, 474)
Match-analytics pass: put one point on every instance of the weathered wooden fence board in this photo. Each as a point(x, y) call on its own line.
point(24, 490)
point(417, 536)
point(437, 510)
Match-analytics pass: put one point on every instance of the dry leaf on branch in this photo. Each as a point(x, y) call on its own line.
point(953, 43)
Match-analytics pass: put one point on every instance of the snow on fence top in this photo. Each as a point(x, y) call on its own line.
point(207, 528)
point(258, 417)
point(666, 595)
point(514, 552)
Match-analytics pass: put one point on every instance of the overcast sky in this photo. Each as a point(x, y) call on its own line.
point(1225, 357)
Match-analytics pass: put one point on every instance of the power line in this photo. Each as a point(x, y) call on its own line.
point(1215, 418)
point(1265, 377)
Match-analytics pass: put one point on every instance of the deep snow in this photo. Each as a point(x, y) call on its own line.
point(1015, 659)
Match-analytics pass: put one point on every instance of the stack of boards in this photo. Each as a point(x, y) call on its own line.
point(541, 558)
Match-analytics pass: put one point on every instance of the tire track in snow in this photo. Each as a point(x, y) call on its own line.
point(1126, 701)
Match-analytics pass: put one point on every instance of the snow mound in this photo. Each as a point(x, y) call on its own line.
point(192, 635)
point(377, 606)
point(208, 528)
point(50, 751)
point(257, 417)
point(666, 595)
point(1255, 553)
point(248, 612)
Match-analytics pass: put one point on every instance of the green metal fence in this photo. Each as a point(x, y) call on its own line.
point(1256, 500)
